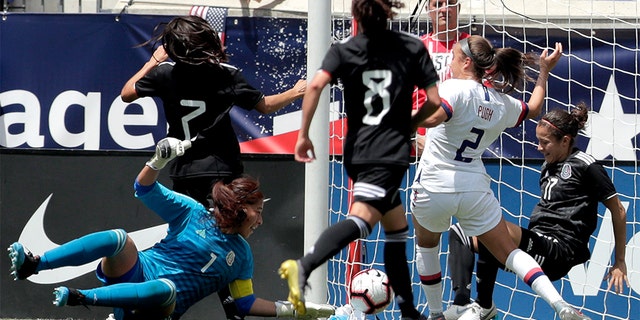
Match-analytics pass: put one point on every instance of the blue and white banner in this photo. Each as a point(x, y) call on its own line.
point(61, 76)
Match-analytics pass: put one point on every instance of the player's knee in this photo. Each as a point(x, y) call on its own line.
point(363, 226)
point(170, 292)
point(120, 239)
point(397, 236)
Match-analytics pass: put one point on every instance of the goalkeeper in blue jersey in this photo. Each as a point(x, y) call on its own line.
point(203, 252)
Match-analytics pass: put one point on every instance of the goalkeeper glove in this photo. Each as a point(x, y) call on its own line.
point(166, 150)
point(314, 310)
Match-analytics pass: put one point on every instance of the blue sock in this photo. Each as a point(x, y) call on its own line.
point(153, 293)
point(84, 250)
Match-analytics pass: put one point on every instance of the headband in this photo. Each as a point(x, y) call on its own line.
point(553, 126)
point(464, 46)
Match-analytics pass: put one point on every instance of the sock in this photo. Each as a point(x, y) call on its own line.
point(530, 272)
point(153, 293)
point(461, 262)
point(486, 275)
point(84, 250)
point(395, 263)
point(428, 264)
point(334, 239)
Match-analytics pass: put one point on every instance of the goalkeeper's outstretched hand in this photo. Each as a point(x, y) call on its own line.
point(166, 150)
point(284, 309)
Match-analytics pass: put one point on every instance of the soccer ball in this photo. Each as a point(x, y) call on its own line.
point(370, 291)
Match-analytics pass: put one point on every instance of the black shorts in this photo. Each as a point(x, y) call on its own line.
point(554, 258)
point(377, 184)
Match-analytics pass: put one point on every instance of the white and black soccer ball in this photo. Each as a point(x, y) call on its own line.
point(370, 291)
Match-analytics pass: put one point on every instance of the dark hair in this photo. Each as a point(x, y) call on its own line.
point(230, 198)
point(373, 14)
point(504, 68)
point(191, 40)
point(564, 123)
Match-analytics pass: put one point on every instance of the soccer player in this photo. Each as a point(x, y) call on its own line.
point(379, 69)
point(197, 90)
point(203, 252)
point(451, 179)
point(571, 185)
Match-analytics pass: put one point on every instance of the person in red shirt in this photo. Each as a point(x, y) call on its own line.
point(443, 15)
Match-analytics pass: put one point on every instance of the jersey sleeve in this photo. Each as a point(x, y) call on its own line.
point(246, 96)
point(171, 206)
point(518, 111)
point(450, 96)
point(331, 61)
point(599, 182)
point(427, 75)
point(150, 84)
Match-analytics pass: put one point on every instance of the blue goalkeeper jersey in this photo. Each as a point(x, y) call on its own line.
point(195, 254)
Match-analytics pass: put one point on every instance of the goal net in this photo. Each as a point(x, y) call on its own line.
point(599, 67)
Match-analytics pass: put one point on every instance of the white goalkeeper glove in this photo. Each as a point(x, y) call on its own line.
point(166, 150)
point(284, 309)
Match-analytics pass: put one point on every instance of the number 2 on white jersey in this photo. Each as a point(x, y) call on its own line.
point(200, 109)
point(377, 81)
point(469, 144)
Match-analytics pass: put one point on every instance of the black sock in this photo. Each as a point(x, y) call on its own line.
point(397, 269)
point(486, 276)
point(330, 242)
point(461, 262)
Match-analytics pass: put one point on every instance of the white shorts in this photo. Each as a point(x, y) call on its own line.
point(477, 212)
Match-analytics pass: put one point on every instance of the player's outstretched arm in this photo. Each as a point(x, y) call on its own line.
point(304, 147)
point(128, 93)
point(617, 275)
point(547, 63)
point(166, 150)
point(284, 309)
point(278, 101)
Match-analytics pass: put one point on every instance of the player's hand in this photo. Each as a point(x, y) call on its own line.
point(314, 310)
point(547, 62)
point(617, 277)
point(300, 87)
point(166, 150)
point(159, 55)
point(304, 150)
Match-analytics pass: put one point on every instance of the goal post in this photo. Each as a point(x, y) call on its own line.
point(316, 204)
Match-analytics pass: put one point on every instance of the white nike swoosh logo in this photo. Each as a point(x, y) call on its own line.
point(34, 238)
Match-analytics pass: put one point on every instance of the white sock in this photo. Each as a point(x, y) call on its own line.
point(530, 272)
point(428, 263)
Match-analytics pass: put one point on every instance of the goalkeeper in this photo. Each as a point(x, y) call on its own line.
point(571, 184)
point(203, 252)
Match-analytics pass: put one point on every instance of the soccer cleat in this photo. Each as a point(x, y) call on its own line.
point(436, 316)
point(567, 312)
point(476, 312)
point(23, 264)
point(68, 297)
point(455, 311)
point(291, 270)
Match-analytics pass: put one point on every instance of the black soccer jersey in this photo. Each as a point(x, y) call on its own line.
point(379, 74)
point(568, 207)
point(196, 102)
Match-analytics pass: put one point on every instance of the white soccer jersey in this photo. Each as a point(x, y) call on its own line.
point(477, 115)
